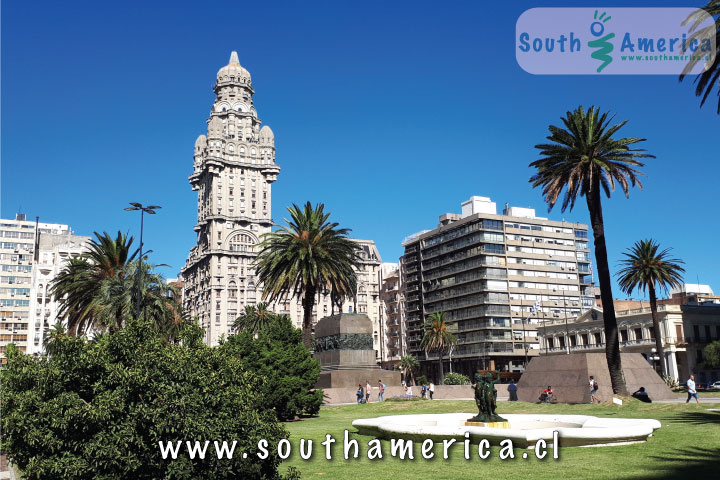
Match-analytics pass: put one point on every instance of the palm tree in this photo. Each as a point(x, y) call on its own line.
point(644, 269)
point(409, 364)
point(79, 281)
point(97, 290)
point(710, 78)
point(308, 254)
point(254, 319)
point(437, 338)
point(583, 159)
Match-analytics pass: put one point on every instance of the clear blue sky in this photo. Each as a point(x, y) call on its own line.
point(390, 113)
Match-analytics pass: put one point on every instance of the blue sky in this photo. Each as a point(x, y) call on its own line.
point(390, 113)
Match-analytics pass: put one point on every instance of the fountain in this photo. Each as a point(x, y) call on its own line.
point(524, 430)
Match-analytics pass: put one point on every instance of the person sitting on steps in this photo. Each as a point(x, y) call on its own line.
point(547, 395)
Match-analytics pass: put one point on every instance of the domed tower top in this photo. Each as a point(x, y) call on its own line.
point(267, 136)
point(233, 73)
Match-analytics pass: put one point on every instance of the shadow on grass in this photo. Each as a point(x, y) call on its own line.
point(697, 418)
point(687, 463)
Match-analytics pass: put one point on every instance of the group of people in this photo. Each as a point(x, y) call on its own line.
point(363, 394)
point(547, 395)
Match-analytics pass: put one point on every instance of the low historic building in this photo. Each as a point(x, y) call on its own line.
point(685, 331)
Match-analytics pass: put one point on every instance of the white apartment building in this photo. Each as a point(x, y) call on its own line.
point(31, 254)
point(55, 247)
point(392, 294)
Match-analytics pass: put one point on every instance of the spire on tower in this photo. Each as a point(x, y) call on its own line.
point(234, 58)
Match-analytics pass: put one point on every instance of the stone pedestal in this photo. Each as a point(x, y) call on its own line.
point(344, 348)
point(487, 424)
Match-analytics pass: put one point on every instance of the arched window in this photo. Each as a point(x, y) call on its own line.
point(231, 148)
point(232, 290)
point(240, 242)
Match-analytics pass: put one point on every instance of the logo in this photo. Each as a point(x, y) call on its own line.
point(615, 41)
point(602, 46)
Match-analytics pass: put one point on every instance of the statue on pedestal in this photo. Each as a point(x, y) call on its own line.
point(486, 398)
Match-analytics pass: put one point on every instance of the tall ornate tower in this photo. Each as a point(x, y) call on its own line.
point(233, 171)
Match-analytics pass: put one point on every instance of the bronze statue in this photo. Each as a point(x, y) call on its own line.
point(486, 398)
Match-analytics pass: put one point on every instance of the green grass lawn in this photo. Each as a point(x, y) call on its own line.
point(687, 445)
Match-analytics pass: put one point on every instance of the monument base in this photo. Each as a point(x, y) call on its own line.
point(351, 378)
point(488, 424)
point(569, 377)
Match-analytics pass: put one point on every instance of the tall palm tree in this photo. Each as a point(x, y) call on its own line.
point(437, 338)
point(308, 254)
point(710, 78)
point(644, 269)
point(584, 160)
point(79, 281)
point(254, 318)
point(409, 364)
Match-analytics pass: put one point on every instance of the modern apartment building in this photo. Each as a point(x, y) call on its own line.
point(17, 249)
point(31, 253)
point(233, 170)
point(496, 278)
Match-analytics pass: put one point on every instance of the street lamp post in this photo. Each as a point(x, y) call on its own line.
point(150, 209)
point(567, 330)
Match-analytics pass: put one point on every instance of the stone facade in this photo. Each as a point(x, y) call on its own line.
point(233, 171)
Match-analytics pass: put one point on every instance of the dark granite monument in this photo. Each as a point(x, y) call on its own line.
point(344, 348)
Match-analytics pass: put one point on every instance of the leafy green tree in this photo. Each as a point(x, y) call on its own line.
point(254, 318)
point(279, 357)
point(308, 254)
point(711, 355)
point(98, 290)
point(98, 409)
point(410, 365)
point(583, 159)
point(710, 78)
point(645, 268)
point(456, 379)
point(437, 338)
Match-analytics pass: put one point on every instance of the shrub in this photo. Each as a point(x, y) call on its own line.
point(456, 379)
point(97, 409)
point(421, 379)
point(284, 364)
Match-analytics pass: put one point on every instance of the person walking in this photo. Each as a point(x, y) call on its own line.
point(512, 390)
point(368, 389)
point(359, 394)
point(381, 391)
point(692, 392)
point(593, 390)
point(432, 390)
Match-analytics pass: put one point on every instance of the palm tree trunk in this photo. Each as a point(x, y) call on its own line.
point(656, 329)
point(442, 373)
point(612, 343)
point(308, 304)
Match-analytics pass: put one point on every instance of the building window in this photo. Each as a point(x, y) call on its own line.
point(240, 243)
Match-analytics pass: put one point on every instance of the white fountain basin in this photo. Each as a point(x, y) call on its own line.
point(525, 430)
